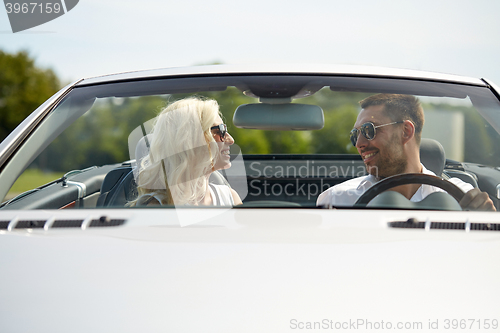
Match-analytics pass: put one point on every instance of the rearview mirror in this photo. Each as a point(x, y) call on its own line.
point(279, 117)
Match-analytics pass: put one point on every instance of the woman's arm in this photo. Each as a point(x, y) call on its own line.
point(236, 197)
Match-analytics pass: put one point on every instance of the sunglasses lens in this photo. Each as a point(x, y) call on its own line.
point(354, 137)
point(368, 131)
point(223, 131)
point(220, 130)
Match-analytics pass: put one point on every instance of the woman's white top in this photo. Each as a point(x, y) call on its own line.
point(221, 195)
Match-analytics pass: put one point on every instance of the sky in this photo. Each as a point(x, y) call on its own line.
point(100, 37)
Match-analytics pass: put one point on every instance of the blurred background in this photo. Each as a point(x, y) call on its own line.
point(104, 37)
point(99, 37)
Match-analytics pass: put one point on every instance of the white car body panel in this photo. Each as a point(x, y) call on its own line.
point(349, 70)
point(237, 272)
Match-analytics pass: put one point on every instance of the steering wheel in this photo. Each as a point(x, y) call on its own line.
point(409, 178)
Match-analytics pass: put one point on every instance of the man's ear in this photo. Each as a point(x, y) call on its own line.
point(408, 131)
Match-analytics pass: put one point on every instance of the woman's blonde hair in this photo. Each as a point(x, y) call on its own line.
point(175, 170)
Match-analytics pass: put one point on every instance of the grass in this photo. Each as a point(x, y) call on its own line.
point(30, 179)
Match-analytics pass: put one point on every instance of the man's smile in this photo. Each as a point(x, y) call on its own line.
point(368, 156)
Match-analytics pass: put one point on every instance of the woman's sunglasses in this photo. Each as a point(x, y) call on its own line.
point(369, 130)
point(220, 130)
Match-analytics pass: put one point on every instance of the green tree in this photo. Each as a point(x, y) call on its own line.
point(23, 87)
point(340, 110)
point(334, 138)
point(100, 136)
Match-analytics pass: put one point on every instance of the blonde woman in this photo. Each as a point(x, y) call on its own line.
point(188, 143)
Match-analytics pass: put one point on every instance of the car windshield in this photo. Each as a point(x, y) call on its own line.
point(93, 136)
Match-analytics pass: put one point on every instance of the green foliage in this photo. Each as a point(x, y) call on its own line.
point(340, 110)
point(101, 135)
point(23, 87)
point(30, 179)
point(282, 142)
point(334, 138)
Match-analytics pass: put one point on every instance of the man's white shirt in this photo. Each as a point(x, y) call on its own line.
point(346, 193)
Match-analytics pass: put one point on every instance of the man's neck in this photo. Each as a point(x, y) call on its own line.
point(409, 190)
point(414, 168)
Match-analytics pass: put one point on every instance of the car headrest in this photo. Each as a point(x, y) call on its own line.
point(432, 155)
point(217, 178)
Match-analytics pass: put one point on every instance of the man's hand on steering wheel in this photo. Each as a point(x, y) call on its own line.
point(477, 200)
point(472, 200)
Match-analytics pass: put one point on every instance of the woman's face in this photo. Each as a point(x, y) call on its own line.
point(223, 143)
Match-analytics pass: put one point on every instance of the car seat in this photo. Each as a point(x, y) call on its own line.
point(432, 156)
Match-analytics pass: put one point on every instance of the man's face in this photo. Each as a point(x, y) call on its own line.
point(383, 156)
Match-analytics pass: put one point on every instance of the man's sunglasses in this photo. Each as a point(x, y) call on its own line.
point(220, 130)
point(369, 130)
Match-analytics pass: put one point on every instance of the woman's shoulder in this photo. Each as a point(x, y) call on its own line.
point(223, 195)
point(236, 197)
point(230, 195)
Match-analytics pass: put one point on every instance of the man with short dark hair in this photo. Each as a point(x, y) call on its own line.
point(387, 134)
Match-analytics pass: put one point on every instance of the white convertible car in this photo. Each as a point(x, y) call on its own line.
point(76, 258)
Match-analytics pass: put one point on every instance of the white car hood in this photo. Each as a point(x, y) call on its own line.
point(246, 271)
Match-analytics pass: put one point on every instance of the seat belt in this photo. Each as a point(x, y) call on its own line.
point(216, 194)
